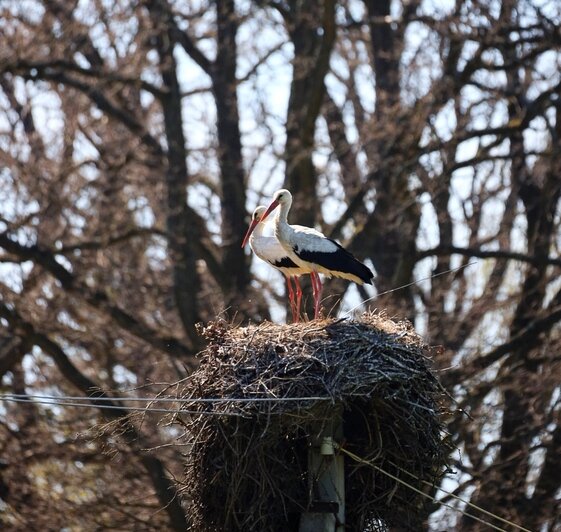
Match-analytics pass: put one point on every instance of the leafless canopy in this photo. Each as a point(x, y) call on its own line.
point(135, 137)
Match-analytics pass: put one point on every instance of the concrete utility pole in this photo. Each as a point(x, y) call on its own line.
point(326, 477)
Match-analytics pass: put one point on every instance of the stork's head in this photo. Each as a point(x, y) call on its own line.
point(255, 219)
point(258, 213)
point(281, 197)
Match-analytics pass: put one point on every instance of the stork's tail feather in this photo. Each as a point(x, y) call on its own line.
point(364, 272)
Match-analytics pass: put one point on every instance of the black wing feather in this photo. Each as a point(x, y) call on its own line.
point(340, 260)
point(285, 262)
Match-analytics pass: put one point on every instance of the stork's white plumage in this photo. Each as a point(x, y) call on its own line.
point(269, 249)
point(311, 249)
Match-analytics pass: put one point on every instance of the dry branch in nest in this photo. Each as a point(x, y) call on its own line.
point(247, 464)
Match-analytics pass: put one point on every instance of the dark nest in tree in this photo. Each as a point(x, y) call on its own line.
point(246, 467)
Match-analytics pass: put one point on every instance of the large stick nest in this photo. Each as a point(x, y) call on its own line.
point(246, 468)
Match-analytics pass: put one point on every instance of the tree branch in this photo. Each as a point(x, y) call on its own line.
point(490, 254)
point(12, 350)
point(98, 300)
point(102, 102)
point(549, 480)
point(166, 490)
point(180, 36)
point(59, 65)
point(525, 339)
point(179, 220)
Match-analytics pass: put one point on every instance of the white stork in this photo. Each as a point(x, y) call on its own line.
point(269, 249)
point(312, 250)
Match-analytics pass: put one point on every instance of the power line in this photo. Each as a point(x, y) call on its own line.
point(56, 401)
point(357, 458)
point(63, 401)
point(416, 490)
point(89, 405)
point(166, 399)
point(90, 402)
point(348, 313)
point(119, 407)
point(453, 495)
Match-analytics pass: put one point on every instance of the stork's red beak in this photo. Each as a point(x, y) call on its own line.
point(270, 209)
point(250, 229)
point(254, 223)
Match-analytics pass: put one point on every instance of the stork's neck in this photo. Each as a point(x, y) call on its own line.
point(282, 228)
point(257, 232)
point(282, 216)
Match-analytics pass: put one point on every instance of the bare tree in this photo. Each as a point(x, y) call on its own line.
point(135, 135)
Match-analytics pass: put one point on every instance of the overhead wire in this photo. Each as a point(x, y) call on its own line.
point(451, 270)
point(90, 405)
point(167, 399)
point(358, 459)
point(55, 401)
point(457, 497)
point(90, 402)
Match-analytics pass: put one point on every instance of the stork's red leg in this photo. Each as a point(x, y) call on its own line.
point(316, 283)
point(320, 291)
point(313, 277)
point(291, 297)
point(317, 287)
point(298, 297)
point(313, 281)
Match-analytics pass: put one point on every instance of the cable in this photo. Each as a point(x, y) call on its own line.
point(348, 313)
point(434, 499)
point(453, 495)
point(55, 401)
point(166, 399)
point(89, 402)
point(127, 408)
